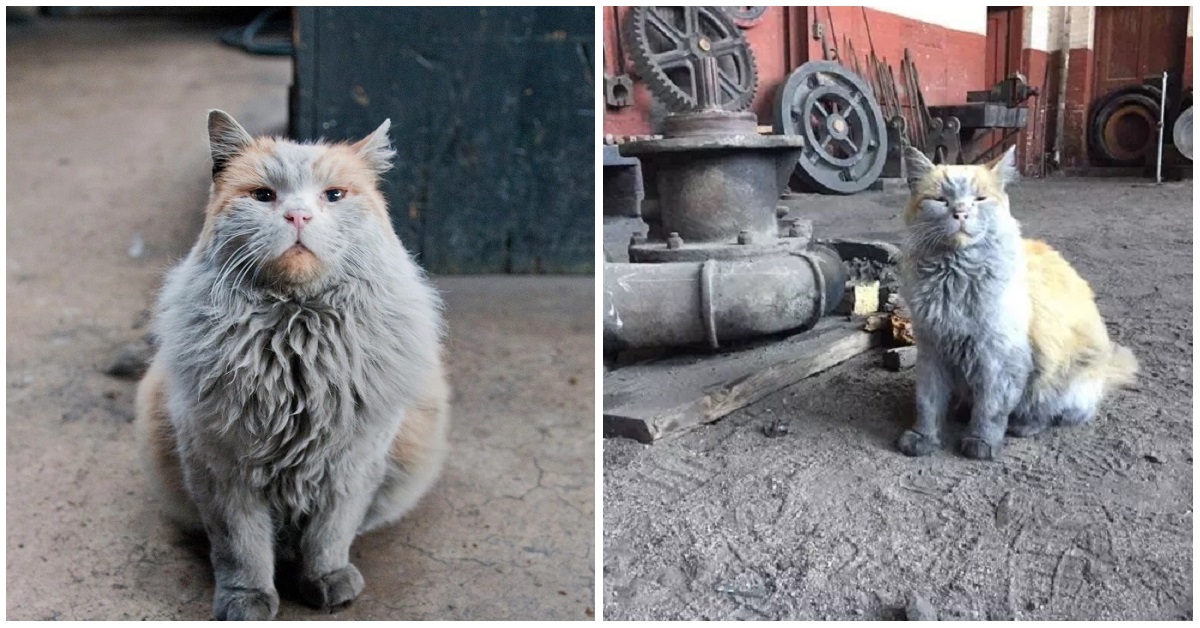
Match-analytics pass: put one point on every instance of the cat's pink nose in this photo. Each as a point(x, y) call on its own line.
point(961, 216)
point(297, 217)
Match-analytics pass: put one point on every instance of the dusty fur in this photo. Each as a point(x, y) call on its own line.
point(1001, 322)
point(298, 395)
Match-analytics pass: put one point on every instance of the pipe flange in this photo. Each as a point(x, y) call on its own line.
point(822, 287)
point(709, 315)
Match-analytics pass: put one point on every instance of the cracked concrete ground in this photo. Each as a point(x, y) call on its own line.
point(106, 144)
point(831, 522)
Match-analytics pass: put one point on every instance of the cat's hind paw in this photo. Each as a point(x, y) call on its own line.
point(979, 449)
point(916, 444)
point(335, 589)
point(245, 604)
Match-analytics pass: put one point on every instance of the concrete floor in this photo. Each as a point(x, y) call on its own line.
point(830, 522)
point(106, 144)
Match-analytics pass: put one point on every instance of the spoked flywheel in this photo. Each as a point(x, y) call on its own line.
point(841, 122)
point(667, 44)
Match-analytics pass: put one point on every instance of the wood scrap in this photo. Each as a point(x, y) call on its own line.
point(650, 400)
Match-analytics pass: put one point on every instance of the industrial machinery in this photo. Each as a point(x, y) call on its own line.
point(720, 260)
point(846, 142)
point(667, 44)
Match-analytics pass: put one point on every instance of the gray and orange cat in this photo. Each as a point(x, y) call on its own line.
point(297, 397)
point(1001, 323)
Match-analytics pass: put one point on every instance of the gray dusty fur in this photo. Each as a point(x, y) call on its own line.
point(285, 399)
point(970, 311)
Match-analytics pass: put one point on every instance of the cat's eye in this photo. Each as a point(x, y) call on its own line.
point(334, 195)
point(980, 199)
point(263, 195)
point(943, 200)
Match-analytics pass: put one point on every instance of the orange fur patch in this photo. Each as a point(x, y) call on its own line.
point(296, 265)
point(1066, 329)
point(423, 430)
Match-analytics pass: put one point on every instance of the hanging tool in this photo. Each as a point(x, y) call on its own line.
point(828, 53)
point(618, 87)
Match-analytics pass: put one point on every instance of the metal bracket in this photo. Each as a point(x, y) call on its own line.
point(618, 91)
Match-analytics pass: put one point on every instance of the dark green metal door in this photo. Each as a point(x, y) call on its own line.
point(492, 118)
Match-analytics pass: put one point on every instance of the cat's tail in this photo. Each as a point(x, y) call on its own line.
point(1120, 368)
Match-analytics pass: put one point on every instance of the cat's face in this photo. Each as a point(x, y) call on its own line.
point(956, 206)
point(291, 215)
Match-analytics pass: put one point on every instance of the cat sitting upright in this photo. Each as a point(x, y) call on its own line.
point(297, 397)
point(1002, 323)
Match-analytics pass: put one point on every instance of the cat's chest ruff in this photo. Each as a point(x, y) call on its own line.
point(960, 299)
point(952, 286)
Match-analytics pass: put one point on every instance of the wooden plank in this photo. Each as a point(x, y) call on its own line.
point(650, 400)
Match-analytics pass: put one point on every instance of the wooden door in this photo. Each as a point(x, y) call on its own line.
point(1003, 43)
point(1004, 25)
point(1135, 42)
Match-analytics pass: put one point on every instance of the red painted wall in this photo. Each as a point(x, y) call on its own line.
point(950, 62)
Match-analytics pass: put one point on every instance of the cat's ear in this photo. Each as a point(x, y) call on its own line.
point(226, 138)
point(918, 166)
point(376, 148)
point(1004, 167)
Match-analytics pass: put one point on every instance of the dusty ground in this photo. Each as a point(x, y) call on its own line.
point(830, 522)
point(106, 144)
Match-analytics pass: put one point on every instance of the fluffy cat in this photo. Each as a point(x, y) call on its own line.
point(1001, 323)
point(297, 397)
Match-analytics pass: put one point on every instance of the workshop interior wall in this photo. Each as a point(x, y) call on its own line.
point(949, 45)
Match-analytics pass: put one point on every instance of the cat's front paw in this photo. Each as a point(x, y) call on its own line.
point(916, 444)
point(1025, 430)
point(979, 449)
point(245, 604)
point(334, 589)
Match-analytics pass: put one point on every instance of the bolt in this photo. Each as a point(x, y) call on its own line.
point(744, 237)
point(674, 241)
point(704, 44)
point(781, 211)
point(799, 228)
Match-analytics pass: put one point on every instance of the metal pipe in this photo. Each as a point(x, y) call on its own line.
point(1064, 45)
point(714, 302)
point(1162, 124)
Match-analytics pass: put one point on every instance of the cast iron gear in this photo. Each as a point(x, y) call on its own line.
point(746, 17)
point(842, 124)
point(667, 43)
point(1182, 133)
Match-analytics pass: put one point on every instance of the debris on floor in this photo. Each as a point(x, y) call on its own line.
point(900, 358)
point(902, 331)
point(860, 299)
point(777, 428)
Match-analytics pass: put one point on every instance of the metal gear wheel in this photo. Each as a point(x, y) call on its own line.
point(667, 43)
point(746, 17)
point(842, 123)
